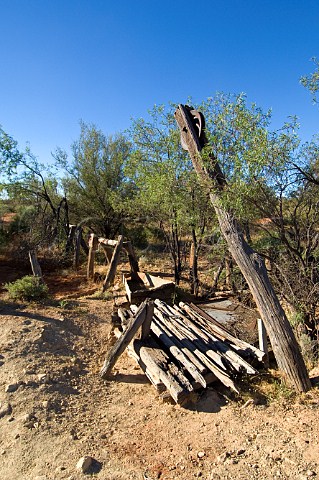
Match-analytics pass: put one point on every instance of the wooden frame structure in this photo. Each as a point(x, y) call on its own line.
point(112, 250)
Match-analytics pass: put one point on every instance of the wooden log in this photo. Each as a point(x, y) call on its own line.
point(146, 325)
point(109, 279)
point(93, 244)
point(210, 358)
point(35, 266)
point(159, 363)
point(127, 336)
point(230, 355)
point(185, 345)
point(133, 351)
point(222, 332)
point(176, 352)
point(106, 241)
point(282, 338)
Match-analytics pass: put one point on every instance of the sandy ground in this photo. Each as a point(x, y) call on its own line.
point(59, 410)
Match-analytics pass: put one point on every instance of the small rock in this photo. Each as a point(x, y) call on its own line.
point(84, 464)
point(45, 404)
point(28, 371)
point(28, 420)
point(310, 473)
point(201, 454)
point(60, 468)
point(5, 409)
point(43, 378)
point(241, 451)
point(11, 387)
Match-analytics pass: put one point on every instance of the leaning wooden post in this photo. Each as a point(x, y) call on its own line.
point(36, 269)
point(132, 259)
point(127, 336)
point(93, 244)
point(109, 279)
point(281, 336)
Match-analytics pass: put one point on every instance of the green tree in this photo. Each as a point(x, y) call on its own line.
point(95, 182)
point(29, 185)
point(168, 190)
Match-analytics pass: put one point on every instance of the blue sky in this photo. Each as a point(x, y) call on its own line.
point(108, 61)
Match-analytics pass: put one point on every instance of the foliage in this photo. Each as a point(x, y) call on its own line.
point(311, 81)
point(29, 185)
point(95, 182)
point(167, 188)
point(27, 288)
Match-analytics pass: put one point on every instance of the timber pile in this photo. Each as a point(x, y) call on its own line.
point(182, 348)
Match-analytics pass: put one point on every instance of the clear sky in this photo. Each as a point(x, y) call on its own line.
point(106, 61)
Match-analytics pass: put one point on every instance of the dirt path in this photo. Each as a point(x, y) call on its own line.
point(60, 410)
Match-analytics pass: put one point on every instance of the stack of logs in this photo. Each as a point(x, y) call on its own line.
point(182, 348)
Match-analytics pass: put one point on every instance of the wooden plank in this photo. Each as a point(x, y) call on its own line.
point(230, 355)
point(127, 336)
point(146, 326)
point(109, 279)
point(157, 361)
point(263, 344)
point(176, 352)
point(187, 347)
point(222, 332)
point(209, 357)
point(93, 244)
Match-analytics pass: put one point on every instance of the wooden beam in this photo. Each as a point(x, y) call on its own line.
point(146, 326)
point(93, 244)
point(127, 336)
point(109, 279)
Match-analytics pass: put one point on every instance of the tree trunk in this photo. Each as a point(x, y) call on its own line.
point(279, 330)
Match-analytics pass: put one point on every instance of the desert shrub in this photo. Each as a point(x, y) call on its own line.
point(27, 288)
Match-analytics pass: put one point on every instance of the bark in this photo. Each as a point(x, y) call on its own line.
point(279, 330)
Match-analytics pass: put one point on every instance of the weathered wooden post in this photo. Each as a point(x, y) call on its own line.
point(36, 269)
point(93, 244)
point(279, 330)
point(109, 279)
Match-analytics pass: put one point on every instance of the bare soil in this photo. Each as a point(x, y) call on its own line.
point(60, 410)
